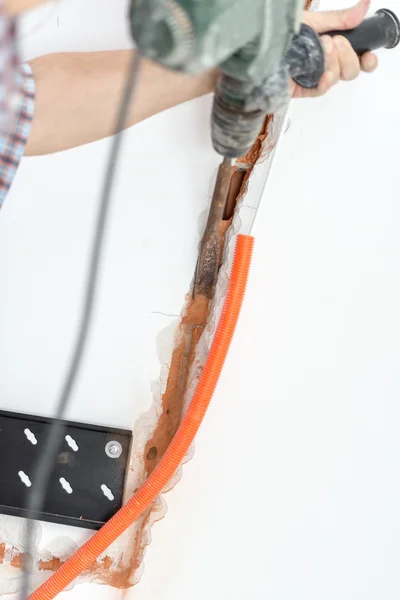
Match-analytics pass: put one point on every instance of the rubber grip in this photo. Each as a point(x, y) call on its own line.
point(380, 31)
point(306, 57)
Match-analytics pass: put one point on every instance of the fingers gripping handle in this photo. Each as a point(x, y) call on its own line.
point(306, 58)
point(380, 31)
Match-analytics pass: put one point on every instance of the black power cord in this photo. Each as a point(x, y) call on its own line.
point(45, 462)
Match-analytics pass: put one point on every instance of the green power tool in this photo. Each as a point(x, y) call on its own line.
point(246, 39)
point(257, 44)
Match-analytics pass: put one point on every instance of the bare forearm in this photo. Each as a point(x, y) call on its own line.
point(15, 7)
point(78, 96)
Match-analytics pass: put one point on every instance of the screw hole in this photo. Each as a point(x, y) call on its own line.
point(152, 453)
point(30, 436)
point(72, 443)
point(24, 478)
point(107, 492)
point(66, 485)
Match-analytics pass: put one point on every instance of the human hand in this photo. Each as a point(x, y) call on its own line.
point(342, 62)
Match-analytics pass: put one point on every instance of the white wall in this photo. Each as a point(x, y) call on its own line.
point(294, 489)
point(160, 197)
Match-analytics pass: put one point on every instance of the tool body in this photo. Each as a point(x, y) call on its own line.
point(257, 44)
point(245, 38)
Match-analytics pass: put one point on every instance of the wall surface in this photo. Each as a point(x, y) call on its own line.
point(160, 198)
point(294, 488)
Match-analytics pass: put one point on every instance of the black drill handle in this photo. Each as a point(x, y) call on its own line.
point(380, 31)
point(306, 58)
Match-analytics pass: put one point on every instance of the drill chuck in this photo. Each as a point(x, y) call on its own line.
point(234, 129)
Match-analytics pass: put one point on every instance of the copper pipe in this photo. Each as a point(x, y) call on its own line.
point(208, 262)
point(235, 187)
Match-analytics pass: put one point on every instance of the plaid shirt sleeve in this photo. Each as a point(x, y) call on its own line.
point(12, 146)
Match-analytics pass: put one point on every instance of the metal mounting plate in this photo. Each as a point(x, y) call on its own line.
point(87, 483)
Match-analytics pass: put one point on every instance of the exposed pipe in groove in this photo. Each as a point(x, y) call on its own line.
point(235, 186)
point(208, 262)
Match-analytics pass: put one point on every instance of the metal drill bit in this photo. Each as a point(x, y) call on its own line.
point(210, 246)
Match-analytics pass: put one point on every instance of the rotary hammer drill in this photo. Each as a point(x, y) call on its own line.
point(258, 46)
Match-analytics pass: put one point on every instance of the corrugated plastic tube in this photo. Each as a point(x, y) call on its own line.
point(173, 457)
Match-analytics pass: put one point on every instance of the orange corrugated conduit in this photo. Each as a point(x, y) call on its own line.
point(155, 483)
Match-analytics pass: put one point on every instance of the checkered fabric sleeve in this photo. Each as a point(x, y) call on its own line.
point(12, 145)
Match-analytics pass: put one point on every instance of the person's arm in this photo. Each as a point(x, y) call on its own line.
point(15, 7)
point(78, 94)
